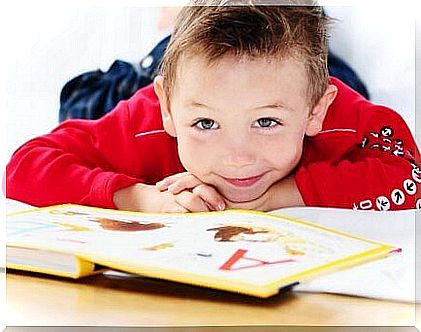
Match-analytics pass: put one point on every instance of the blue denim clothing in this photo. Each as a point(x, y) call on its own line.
point(95, 93)
point(340, 69)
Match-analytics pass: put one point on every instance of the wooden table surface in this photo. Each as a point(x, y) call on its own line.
point(129, 300)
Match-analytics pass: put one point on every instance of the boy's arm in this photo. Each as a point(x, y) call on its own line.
point(381, 173)
point(72, 164)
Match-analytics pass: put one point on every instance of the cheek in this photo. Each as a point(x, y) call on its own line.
point(286, 156)
point(285, 153)
point(196, 154)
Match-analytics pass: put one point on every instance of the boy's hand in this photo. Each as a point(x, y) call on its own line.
point(191, 193)
point(146, 198)
point(178, 193)
point(183, 192)
point(283, 193)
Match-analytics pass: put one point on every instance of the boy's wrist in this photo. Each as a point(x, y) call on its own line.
point(284, 193)
point(137, 197)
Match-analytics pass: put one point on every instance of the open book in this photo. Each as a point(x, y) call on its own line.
point(253, 253)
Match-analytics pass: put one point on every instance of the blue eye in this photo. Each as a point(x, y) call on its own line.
point(267, 123)
point(206, 124)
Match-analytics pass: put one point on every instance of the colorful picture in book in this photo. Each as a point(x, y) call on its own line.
point(126, 226)
point(108, 223)
point(291, 243)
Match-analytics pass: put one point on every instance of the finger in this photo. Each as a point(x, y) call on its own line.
point(191, 202)
point(175, 208)
point(164, 183)
point(184, 183)
point(211, 197)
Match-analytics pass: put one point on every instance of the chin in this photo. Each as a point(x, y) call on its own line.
point(242, 197)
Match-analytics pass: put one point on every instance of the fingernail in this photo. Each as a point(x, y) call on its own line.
point(221, 206)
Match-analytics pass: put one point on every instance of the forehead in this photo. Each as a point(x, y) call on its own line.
point(278, 66)
point(251, 79)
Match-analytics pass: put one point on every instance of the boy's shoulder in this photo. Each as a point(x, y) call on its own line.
point(354, 124)
point(144, 110)
point(351, 112)
point(144, 97)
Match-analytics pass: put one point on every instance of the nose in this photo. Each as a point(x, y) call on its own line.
point(239, 158)
point(239, 151)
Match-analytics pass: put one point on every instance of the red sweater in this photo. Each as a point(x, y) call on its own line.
point(364, 157)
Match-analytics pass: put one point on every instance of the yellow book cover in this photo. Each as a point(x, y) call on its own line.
point(247, 252)
point(50, 262)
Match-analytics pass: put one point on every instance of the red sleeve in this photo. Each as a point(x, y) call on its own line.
point(381, 172)
point(81, 162)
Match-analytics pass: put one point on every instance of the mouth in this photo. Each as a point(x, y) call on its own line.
point(243, 182)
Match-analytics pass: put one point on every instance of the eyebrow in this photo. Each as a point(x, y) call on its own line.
point(276, 106)
point(197, 104)
point(273, 106)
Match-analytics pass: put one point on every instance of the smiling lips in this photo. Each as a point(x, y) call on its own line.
point(244, 182)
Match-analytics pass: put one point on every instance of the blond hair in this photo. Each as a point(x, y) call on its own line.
point(214, 29)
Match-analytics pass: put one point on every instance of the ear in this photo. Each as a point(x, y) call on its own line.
point(166, 115)
point(318, 113)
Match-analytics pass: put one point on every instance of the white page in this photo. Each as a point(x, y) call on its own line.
point(392, 278)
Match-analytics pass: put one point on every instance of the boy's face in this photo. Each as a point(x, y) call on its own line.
point(239, 124)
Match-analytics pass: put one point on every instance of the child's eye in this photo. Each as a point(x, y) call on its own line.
point(206, 124)
point(267, 123)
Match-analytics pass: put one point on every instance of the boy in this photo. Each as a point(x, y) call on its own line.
point(243, 115)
